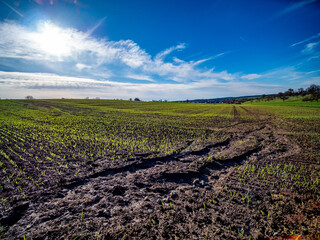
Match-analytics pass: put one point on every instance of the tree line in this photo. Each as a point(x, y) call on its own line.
point(311, 93)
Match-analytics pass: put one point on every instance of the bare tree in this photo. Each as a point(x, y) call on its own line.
point(29, 97)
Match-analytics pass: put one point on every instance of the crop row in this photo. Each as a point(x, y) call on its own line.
point(44, 142)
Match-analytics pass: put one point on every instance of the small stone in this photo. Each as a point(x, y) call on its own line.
point(159, 201)
point(181, 180)
point(193, 186)
point(146, 199)
point(196, 182)
point(105, 224)
point(166, 200)
point(203, 183)
point(106, 213)
point(207, 187)
point(195, 237)
point(174, 195)
point(29, 226)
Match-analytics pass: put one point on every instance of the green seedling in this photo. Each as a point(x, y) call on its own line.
point(241, 233)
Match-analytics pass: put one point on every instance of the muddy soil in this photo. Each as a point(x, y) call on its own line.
point(195, 193)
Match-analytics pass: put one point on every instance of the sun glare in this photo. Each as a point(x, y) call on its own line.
point(53, 40)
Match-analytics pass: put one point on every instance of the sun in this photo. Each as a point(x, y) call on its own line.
point(53, 40)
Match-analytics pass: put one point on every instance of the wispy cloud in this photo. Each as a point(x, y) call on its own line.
point(17, 85)
point(12, 8)
point(82, 66)
point(102, 63)
point(98, 24)
point(310, 47)
point(52, 44)
point(163, 54)
point(251, 76)
point(211, 58)
point(293, 7)
point(140, 77)
point(306, 40)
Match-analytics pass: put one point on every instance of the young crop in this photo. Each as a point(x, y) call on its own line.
point(49, 142)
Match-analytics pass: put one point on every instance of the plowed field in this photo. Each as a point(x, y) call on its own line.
point(96, 169)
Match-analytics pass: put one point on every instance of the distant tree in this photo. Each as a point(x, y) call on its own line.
point(97, 98)
point(269, 98)
point(29, 97)
point(289, 92)
point(130, 99)
point(282, 96)
point(263, 96)
point(87, 98)
point(300, 91)
point(137, 99)
point(314, 90)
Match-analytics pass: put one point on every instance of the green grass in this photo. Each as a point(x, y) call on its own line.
point(293, 107)
point(295, 101)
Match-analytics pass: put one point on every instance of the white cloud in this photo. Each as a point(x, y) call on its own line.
point(43, 85)
point(82, 66)
point(163, 54)
point(310, 47)
point(51, 44)
point(101, 62)
point(251, 76)
point(140, 77)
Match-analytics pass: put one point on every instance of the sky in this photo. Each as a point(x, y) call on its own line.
point(169, 49)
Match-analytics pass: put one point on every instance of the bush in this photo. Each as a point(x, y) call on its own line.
point(307, 99)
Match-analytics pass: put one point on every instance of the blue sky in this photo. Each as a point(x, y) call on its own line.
point(170, 50)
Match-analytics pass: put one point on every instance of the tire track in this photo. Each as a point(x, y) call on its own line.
point(128, 193)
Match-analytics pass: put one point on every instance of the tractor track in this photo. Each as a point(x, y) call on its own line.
point(114, 199)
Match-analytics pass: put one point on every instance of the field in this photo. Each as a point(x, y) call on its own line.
point(104, 169)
